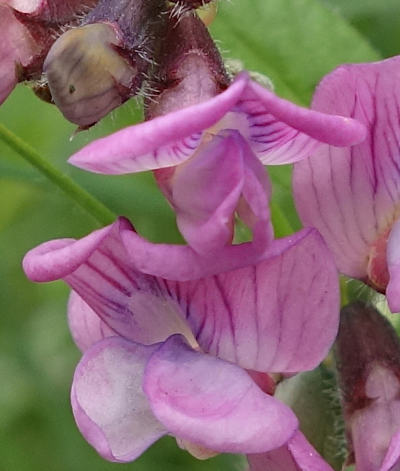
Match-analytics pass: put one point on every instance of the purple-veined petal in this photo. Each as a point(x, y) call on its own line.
point(351, 195)
point(129, 302)
point(85, 325)
point(213, 403)
point(281, 132)
point(206, 190)
point(108, 402)
point(393, 261)
point(280, 315)
point(16, 49)
point(162, 142)
point(296, 455)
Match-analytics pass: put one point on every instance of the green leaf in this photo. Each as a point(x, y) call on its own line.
point(294, 42)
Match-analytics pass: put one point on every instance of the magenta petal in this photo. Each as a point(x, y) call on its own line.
point(85, 325)
point(16, 48)
point(393, 454)
point(182, 263)
point(108, 403)
point(280, 315)
point(296, 455)
point(282, 132)
point(161, 142)
point(393, 261)
point(350, 195)
point(130, 303)
point(213, 403)
point(206, 192)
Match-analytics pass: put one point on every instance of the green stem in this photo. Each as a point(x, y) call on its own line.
point(84, 199)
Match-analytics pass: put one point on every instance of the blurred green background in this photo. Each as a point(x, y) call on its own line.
point(295, 42)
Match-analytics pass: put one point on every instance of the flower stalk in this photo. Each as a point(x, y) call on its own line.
point(84, 199)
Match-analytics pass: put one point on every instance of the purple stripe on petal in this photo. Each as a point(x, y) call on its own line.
point(280, 315)
point(108, 403)
point(213, 403)
point(96, 267)
point(164, 141)
point(351, 195)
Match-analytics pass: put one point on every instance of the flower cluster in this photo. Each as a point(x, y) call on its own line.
point(189, 340)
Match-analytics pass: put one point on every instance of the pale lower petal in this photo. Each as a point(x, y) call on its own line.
point(162, 142)
point(85, 325)
point(108, 402)
point(213, 403)
point(351, 195)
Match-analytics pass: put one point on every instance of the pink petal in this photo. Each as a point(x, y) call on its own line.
point(182, 263)
point(130, 303)
point(375, 429)
point(161, 142)
point(108, 403)
point(392, 457)
point(85, 325)
point(213, 403)
point(17, 48)
point(206, 192)
point(350, 195)
point(260, 316)
point(393, 260)
point(296, 455)
point(281, 132)
point(280, 315)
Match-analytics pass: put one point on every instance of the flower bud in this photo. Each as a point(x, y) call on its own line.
point(95, 68)
point(190, 67)
point(368, 360)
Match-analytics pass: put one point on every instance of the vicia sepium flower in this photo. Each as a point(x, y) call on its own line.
point(95, 68)
point(28, 28)
point(352, 195)
point(368, 360)
point(207, 138)
point(186, 357)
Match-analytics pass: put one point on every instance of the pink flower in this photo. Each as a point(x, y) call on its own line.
point(171, 357)
point(368, 359)
point(208, 155)
point(352, 195)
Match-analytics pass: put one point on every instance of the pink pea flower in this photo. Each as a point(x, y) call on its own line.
point(189, 359)
point(368, 359)
point(207, 140)
point(28, 28)
point(352, 195)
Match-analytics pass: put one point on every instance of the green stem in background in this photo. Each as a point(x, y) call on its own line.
point(84, 199)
